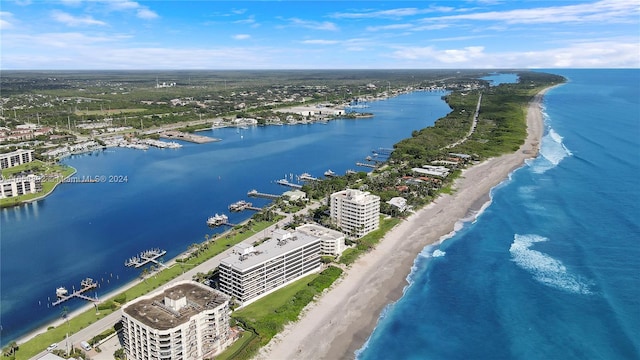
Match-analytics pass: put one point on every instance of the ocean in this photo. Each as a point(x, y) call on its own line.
point(89, 230)
point(551, 268)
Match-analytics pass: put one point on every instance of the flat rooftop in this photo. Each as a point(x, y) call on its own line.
point(320, 231)
point(152, 312)
point(268, 250)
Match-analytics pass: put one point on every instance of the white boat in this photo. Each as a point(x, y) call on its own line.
point(61, 292)
point(329, 173)
point(217, 220)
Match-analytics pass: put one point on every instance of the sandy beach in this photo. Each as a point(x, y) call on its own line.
point(340, 322)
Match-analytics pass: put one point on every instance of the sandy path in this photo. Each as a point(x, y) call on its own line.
point(341, 320)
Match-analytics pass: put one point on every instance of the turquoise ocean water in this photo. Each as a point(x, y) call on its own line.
point(551, 269)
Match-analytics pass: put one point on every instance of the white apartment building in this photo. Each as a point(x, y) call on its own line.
point(253, 272)
point(15, 158)
point(20, 185)
point(186, 320)
point(331, 241)
point(356, 212)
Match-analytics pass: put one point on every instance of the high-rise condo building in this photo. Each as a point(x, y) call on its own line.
point(255, 271)
point(186, 320)
point(356, 212)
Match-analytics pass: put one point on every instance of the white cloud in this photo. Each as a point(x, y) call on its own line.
point(391, 13)
point(604, 11)
point(5, 23)
point(613, 53)
point(242, 36)
point(144, 13)
point(320, 42)
point(389, 27)
point(71, 20)
point(314, 25)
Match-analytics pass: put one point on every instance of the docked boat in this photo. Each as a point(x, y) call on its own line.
point(329, 173)
point(239, 205)
point(61, 292)
point(217, 220)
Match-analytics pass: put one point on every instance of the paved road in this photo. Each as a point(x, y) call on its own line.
point(111, 319)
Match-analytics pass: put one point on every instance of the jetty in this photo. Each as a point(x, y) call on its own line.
point(286, 182)
point(86, 285)
point(178, 135)
point(366, 165)
point(255, 193)
point(145, 257)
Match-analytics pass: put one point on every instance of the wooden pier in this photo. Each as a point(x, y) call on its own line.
point(86, 285)
point(145, 257)
point(285, 182)
point(255, 193)
point(366, 165)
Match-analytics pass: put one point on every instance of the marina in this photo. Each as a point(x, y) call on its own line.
point(86, 285)
point(145, 257)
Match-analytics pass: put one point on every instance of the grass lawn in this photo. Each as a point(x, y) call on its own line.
point(54, 173)
point(268, 304)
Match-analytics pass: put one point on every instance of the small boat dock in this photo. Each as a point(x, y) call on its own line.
point(307, 177)
point(255, 193)
point(242, 205)
point(218, 220)
point(145, 257)
point(86, 285)
point(366, 165)
point(286, 182)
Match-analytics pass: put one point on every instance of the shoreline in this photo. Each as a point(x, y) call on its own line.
point(347, 314)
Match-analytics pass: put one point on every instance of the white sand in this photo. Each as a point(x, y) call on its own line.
point(343, 318)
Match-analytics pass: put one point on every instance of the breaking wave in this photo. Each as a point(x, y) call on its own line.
point(552, 151)
point(545, 268)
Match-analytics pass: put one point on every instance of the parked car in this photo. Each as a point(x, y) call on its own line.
point(51, 347)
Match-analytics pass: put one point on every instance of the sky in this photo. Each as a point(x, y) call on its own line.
point(220, 35)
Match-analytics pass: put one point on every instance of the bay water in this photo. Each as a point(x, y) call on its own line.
point(161, 198)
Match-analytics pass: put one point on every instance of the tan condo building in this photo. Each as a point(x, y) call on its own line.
point(186, 320)
point(355, 212)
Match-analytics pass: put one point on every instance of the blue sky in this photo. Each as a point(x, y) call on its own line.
point(124, 34)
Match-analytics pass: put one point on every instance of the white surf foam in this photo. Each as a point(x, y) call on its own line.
point(552, 151)
point(438, 253)
point(545, 268)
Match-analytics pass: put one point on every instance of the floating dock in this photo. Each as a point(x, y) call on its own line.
point(145, 257)
point(255, 193)
point(86, 285)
